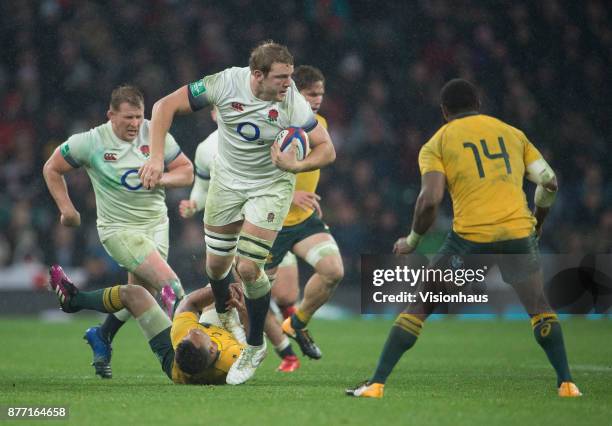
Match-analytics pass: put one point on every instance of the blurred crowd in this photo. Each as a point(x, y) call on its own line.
point(541, 67)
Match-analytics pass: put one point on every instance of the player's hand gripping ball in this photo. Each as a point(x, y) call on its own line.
point(296, 136)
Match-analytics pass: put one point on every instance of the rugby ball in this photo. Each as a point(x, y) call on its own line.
point(286, 137)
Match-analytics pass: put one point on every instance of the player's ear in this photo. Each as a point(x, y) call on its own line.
point(109, 114)
point(258, 74)
point(444, 111)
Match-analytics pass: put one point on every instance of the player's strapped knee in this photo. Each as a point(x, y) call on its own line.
point(220, 244)
point(259, 288)
point(253, 248)
point(112, 299)
point(288, 260)
point(409, 323)
point(153, 321)
point(123, 315)
point(321, 250)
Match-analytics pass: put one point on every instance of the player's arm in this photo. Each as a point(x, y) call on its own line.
point(53, 172)
point(161, 120)
point(199, 192)
point(196, 301)
point(180, 173)
point(540, 173)
point(322, 153)
point(197, 198)
point(307, 200)
point(425, 211)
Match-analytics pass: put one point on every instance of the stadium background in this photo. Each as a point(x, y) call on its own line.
point(542, 66)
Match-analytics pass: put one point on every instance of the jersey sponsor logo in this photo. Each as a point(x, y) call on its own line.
point(249, 131)
point(65, 149)
point(145, 150)
point(270, 217)
point(272, 116)
point(238, 106)
point(197, 88)
point(110, 156)
point(125, 183)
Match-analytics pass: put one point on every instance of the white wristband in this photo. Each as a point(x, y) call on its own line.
point(413, 239)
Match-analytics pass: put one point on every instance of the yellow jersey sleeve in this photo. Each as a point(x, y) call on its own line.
point(430, 156)
point(531, 153)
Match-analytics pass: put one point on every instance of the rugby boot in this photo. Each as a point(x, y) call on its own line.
point(289, 364)
point(244, 367)
point(569, 390)
point(303, 339)
point(169, 300)
point(230, 321)
point(63, 288)
point(367, 390)
point(102, 352)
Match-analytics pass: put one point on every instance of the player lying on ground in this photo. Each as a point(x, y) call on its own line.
point(132, 221)
point(491, 218)
point(189, 352)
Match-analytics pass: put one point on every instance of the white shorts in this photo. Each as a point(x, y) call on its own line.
point(129, 248)
point(265, 207)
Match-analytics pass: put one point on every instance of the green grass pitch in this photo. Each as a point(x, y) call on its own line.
point(459, 373)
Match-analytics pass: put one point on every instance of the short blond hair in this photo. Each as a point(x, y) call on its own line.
point(126, 93)
point(267, 53)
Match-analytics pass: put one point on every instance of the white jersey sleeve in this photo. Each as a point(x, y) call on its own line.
point(204, 158)
point(77, 149)
point(210, 90)
point(171, 149)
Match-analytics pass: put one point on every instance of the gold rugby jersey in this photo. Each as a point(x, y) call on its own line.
point(484, 160)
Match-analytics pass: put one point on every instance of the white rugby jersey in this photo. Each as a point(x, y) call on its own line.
point(248, 125)
point(112, 165)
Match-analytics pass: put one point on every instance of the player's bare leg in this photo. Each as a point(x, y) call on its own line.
point(280, 341)
point(286, 288)
point(154, 274)
point(321, 251)
point(136, 299)
point(253, 248)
